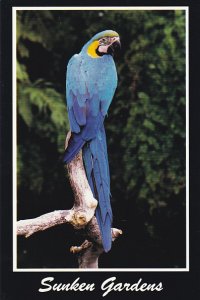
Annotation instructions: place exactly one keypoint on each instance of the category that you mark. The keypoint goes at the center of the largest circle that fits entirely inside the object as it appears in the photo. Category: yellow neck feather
(91, 50)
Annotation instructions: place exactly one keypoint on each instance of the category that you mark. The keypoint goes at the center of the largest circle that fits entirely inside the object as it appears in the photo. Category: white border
(15, 269)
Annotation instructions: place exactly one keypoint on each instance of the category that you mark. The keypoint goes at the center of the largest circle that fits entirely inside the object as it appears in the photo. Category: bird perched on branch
(90, 83)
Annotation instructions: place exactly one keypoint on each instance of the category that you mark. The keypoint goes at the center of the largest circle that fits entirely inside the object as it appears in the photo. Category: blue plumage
(91, 83)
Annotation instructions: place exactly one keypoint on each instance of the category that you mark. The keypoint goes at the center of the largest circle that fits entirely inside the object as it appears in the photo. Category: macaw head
(105, 42)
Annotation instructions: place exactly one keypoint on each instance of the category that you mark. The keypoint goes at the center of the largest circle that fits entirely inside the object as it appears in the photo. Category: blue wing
(83, 104)
(91, 84)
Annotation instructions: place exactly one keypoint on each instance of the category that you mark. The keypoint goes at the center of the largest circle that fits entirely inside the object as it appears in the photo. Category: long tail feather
(97, 170)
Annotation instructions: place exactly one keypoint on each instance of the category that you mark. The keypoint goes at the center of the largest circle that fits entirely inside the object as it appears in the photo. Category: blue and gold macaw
(91, 82)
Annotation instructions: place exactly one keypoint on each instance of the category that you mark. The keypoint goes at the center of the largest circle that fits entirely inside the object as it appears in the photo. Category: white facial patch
(103, 48)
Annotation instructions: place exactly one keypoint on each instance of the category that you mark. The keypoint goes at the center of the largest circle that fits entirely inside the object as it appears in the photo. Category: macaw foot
(88, 254)
(77, 249)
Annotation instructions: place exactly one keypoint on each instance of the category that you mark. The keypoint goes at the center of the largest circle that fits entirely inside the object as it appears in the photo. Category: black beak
(114, 48)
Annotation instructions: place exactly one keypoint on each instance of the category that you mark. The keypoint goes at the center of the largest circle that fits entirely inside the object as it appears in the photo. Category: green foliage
(146, 122)
(41, 107)
(154, 136)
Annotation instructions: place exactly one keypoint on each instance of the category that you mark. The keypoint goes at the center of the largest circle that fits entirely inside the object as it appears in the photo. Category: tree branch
(90, 250)
(30, 226)
(80, 216)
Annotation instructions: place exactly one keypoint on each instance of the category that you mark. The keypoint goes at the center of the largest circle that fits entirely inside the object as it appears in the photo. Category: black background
(25, 285)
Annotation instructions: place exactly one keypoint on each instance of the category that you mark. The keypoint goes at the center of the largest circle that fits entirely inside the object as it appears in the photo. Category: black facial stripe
(99, 53)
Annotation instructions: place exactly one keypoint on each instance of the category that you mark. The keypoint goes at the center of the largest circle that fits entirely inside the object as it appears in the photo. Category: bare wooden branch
(88, 252)
(30, 226)
(80, 216)
(84, 201)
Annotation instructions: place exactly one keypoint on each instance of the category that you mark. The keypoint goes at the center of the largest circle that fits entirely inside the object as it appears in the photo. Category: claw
(77, 249)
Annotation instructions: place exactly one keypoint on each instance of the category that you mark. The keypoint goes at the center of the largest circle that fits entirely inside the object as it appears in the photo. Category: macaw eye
(104, 41)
